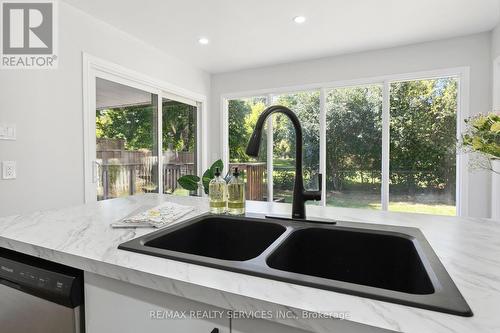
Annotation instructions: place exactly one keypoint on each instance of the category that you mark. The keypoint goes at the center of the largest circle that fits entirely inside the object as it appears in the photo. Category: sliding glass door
(179, 142)
(126, 140)
(132, 128)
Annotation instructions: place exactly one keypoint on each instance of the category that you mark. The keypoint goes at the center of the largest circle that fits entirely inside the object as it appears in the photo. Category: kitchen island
(81, 237)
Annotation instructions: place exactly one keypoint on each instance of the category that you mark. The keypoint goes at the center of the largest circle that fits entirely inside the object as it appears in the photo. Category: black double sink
(388, 263)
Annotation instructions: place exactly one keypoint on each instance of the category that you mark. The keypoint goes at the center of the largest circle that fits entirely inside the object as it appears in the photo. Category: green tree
(306, 107)
(354, 132)
(422, 134)
(132, 123)
(237, 111)
(179, 126)
(137, 126)
(242, 117)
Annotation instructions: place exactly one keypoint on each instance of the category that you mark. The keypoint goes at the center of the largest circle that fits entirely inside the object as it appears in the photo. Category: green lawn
(287, 163)
(422, 208)
(357, 200)
(372, 201)
(367, 196)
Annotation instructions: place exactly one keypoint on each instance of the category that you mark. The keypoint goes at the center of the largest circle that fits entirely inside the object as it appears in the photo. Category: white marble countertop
(81, 237)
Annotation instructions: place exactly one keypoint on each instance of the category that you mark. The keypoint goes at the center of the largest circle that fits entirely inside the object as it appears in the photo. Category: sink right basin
(366, 258)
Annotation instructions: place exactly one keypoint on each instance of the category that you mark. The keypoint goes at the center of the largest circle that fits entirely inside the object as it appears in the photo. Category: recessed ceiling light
(203, 41)
(299, 19)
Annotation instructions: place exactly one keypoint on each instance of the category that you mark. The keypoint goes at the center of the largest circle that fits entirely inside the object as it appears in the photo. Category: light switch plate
(7, 131)
(9, 170)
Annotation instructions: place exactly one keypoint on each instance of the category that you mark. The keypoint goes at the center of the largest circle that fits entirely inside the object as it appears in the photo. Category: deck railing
(254, 174)
(127, 179)
(172, 172)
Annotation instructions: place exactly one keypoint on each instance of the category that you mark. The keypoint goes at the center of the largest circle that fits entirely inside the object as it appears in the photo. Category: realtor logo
(28, 34)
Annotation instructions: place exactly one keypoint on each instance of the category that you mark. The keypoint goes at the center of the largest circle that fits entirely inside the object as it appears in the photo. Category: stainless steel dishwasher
(39, 296)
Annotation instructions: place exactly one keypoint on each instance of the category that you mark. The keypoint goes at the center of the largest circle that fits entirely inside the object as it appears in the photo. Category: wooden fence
(172, 172)
(254, 175)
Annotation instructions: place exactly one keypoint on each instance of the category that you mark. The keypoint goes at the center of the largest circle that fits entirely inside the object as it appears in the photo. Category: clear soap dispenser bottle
(217, 194)
(236, 195)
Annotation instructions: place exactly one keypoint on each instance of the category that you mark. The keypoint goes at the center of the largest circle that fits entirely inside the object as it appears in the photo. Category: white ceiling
(253, 33)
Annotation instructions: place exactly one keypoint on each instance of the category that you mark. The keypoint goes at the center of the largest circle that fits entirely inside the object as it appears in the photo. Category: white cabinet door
(261, 326)
(322, 325)
(116, 306)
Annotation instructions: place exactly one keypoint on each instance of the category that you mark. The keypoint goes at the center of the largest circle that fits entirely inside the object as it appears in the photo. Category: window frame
(94, 68)
(462, 74)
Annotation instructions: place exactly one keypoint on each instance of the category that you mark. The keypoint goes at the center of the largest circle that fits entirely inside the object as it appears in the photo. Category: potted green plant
(193, 182)
(482, 136)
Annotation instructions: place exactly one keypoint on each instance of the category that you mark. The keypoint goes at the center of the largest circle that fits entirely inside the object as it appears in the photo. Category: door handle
(215, 330)
(10, 284)
(95, 171)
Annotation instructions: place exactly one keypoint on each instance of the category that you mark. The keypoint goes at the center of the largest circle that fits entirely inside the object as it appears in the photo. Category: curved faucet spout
(256, 138)
(299, 194)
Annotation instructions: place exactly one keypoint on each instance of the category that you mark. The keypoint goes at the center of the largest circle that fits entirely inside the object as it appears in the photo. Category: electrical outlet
(7, 132)
(9, 169)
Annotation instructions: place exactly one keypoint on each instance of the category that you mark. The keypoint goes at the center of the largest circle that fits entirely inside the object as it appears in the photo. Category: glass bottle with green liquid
(217, 194)
(236, 195)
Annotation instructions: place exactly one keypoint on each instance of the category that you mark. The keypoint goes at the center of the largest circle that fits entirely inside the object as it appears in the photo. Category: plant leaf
(208, 174)
(217, 164)
(189, 182)
(207, 177)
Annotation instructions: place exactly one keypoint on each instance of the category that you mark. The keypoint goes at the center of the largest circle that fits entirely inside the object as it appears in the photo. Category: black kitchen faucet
(300, 195)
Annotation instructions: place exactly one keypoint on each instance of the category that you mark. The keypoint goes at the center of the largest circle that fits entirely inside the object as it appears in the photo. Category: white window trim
(463, 91)
(322, 143)
(93, 68)
(386, 142)
(269, 152)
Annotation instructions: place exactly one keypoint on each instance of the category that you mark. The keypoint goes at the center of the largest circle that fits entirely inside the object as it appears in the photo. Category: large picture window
(345, 131)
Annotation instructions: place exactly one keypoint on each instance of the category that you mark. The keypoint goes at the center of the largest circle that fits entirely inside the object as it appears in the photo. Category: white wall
(472, 51)
(495, 42)
(46, 105)
(495, 70)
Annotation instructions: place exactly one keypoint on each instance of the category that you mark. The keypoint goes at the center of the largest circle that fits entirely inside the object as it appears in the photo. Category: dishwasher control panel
(35, 277)
(40, 277)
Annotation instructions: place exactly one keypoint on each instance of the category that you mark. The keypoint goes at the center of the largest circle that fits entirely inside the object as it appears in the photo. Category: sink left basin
(219, 237)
